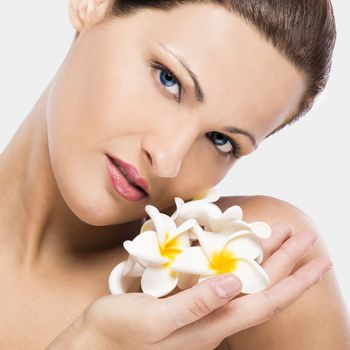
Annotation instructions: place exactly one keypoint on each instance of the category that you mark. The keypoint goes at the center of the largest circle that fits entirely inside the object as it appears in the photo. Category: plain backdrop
(306, 164)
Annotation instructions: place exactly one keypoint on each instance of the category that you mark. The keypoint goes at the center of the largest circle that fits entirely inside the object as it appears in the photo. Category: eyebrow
(197, 87)
(233, 130)
(200, 95)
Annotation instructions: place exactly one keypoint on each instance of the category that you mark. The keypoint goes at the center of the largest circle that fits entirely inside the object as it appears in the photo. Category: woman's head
(124, 91)
(302, 30)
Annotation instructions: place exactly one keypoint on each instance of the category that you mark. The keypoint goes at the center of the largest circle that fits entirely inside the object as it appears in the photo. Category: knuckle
(286, 253)
(271, 307)
(199, 307)
(300, 281)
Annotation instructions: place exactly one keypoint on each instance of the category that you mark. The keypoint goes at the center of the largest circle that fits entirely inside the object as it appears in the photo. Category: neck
(34, 219)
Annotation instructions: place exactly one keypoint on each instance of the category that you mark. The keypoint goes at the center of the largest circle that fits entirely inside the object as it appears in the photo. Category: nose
(165, 151)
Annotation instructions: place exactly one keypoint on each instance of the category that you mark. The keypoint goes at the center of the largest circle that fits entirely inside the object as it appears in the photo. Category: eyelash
(235, 153)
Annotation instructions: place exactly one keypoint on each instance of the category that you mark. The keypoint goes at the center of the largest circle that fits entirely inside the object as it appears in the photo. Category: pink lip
(120, 179)
(121, 183)
(133, 174)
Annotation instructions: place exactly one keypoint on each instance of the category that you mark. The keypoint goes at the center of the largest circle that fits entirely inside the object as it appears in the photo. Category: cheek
(84, 121)
(202, 169)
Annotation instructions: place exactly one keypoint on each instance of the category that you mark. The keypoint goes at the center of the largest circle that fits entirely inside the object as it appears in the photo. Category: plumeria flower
(210, 216)
(219, 253)
(152, 253)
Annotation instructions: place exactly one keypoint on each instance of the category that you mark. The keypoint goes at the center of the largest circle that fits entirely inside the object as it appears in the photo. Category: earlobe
(84, 14)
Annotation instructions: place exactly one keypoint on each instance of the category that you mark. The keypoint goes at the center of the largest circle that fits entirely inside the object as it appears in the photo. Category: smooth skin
(62, 224)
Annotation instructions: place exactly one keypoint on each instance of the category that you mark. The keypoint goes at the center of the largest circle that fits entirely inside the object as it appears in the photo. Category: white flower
(213, 219)
(220, 253)
(151, 255)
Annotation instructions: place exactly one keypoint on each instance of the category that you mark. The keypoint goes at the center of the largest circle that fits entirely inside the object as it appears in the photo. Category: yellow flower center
(170, 249)
(222, 262)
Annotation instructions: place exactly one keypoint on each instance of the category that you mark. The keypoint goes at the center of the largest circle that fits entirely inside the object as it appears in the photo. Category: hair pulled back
(302, 30)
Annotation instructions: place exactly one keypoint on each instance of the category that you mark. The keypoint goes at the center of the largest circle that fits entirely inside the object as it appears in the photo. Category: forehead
(245, 80)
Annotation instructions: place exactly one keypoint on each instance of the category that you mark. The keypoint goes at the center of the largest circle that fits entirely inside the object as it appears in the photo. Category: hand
(202, 316)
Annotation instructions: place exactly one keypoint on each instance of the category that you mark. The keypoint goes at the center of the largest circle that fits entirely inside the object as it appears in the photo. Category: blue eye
(224, 143)
(168, 80)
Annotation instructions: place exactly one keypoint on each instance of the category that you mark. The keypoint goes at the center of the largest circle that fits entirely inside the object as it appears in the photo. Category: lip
(131, 173)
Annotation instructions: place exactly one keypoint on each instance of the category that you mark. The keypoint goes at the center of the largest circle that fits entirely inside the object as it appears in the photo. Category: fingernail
(227, 287)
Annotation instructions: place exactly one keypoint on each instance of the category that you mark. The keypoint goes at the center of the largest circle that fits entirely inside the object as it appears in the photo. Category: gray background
(306, 164)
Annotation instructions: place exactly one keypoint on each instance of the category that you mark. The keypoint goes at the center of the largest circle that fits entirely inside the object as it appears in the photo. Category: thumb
(194, 303)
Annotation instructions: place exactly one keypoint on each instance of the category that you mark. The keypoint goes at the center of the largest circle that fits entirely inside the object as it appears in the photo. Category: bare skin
(61, 222)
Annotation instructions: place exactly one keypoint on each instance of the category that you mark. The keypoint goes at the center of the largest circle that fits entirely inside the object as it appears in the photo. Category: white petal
(186, 226)
(219, 222)
(186, 280)
(252, 275)
(235, 226)
(155, 216)
(119, 284)
(179, 203)
(260, 258)
(193, 261)
(210, 241)
(183, 241)
(200, 211)
(133, 268)
(244, 246)
(158, 281)
(233, 213)
(148, 226)
(145, 246)
(212, 195)
(261, 229)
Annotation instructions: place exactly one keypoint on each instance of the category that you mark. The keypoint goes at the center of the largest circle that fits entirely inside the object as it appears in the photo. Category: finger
(194, 303)
(280, 232)
(284, 259)
(251, 310)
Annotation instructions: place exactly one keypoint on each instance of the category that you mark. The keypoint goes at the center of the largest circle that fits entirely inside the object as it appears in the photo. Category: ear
(84, 14)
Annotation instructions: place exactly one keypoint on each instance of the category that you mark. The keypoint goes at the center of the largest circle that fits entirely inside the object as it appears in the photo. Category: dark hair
(302, 30)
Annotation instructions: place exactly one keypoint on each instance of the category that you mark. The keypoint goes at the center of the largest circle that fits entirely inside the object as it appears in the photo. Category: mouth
(131, 174)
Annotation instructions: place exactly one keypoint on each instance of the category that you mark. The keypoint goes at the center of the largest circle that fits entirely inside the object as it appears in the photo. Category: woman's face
(123, 91)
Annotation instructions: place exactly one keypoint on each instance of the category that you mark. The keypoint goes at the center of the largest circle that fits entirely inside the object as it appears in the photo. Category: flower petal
(199, 210)
(117, 282)
(148, 226)
(185, 226)
(192, 260)
(132, 267)
(235, 226)
(145, 246)
(162, 222)
(217, 223)
(245, 246)
(260, 258)
(158, 281)
(233, 213)
(252, 275)
(179, 203)
(211, 195)
(210, 241)
(261, 229)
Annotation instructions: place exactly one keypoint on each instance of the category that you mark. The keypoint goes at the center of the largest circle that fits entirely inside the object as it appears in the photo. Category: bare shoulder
(318, 320)
(269, 209)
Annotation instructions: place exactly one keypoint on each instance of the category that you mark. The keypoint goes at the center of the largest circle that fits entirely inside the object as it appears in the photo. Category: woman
(174, 92)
